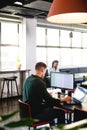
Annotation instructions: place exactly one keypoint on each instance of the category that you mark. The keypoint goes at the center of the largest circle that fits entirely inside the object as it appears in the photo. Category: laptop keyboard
(71, 103)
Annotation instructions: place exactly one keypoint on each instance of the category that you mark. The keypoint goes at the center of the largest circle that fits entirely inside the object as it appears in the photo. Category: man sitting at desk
(42, 103)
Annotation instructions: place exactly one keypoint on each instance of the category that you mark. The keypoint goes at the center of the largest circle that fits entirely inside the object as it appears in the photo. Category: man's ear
(41, 69)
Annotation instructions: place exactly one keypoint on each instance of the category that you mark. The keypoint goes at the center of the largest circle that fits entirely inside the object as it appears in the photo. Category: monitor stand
(63, 91)
(70, 92)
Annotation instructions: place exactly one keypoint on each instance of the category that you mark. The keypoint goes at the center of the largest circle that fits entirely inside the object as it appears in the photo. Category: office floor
(10, 105)
(7, 106)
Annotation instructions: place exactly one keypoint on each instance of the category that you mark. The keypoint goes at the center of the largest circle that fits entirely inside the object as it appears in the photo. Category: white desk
(54, 92)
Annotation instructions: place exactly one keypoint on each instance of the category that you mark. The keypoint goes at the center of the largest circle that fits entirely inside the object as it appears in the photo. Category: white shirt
(52, 70)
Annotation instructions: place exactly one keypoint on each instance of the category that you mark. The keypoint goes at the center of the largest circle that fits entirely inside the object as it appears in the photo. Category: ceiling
(25, 8)
(31, 9)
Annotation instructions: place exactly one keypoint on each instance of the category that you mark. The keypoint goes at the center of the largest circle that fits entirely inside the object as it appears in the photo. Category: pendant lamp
(68, 12)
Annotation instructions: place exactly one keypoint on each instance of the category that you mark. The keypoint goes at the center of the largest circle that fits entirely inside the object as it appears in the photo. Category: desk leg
(22, 77)
(0, 87)
(69, 117)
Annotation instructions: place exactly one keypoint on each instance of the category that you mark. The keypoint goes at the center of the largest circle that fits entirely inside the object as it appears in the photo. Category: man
(42, 103)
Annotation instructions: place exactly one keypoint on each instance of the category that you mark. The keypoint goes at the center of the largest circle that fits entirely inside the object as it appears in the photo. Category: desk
(71, 108)
(21, 75)
(68, 107)
(84, 84)
(81, 77)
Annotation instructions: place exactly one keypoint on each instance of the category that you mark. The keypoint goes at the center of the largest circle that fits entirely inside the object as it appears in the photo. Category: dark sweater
(34, 92)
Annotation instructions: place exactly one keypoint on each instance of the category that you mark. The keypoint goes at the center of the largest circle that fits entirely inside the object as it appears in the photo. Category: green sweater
(34, 92)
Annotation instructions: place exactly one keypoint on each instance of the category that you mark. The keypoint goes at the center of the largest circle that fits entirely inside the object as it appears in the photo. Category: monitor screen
(62, 80)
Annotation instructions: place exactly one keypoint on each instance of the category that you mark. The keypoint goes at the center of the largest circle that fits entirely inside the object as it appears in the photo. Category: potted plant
(18, 63)
(29, 122)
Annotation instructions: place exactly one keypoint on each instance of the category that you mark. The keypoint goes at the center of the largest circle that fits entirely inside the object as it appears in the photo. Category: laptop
(78, 96)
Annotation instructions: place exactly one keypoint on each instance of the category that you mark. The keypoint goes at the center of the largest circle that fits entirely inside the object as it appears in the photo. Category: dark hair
(55, 61)
(39, 65)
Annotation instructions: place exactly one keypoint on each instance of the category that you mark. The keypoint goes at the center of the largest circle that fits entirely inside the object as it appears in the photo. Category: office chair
(80, 114)
(26, 112)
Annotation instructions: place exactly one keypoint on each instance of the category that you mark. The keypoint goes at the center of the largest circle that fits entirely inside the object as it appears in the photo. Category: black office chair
(25, 112)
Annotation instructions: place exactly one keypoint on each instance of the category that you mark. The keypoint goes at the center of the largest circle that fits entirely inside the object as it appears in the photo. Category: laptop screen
(79, 94)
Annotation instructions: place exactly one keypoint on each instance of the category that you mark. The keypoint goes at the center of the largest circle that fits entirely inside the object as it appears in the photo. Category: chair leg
(2, 88)
(7, 88)
(31, 128)
(16, 87)
(11, 89)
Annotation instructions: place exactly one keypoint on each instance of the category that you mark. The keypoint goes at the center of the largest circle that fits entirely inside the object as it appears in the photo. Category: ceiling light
(68, 11)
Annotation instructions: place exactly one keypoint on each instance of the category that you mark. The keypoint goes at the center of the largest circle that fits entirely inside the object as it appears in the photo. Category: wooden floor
(10, 105)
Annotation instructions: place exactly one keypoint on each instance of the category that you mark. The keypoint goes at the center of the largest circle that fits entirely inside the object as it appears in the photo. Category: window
(9, 44)
(65, 38)
(76, 40)
(52, 40)
(58, 45)
(84, 40)
(9, 33)
(52, 54)
(40, 36)
(41, 54)
(65, 57)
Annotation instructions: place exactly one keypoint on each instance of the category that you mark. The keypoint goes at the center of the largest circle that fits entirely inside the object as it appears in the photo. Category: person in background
(42, 103)
(55, 68)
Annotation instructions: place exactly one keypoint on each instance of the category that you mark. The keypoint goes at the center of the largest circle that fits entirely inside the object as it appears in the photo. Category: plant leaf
(1, 128)
(20, 123)
(5, 117)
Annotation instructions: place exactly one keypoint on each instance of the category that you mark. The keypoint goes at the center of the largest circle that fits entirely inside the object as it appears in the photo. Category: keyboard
(71, 103)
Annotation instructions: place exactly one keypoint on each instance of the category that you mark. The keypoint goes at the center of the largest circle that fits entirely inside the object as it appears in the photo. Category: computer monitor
(62, 80)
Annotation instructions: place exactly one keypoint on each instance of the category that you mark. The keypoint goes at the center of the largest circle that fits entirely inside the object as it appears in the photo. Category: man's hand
(65, 99)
